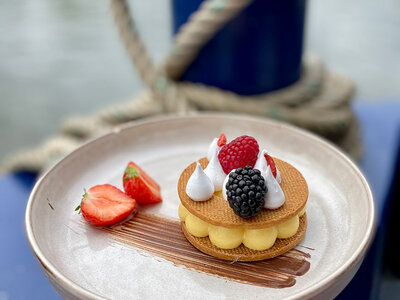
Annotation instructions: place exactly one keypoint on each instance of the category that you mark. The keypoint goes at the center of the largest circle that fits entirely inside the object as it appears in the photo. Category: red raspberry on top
(240, 152)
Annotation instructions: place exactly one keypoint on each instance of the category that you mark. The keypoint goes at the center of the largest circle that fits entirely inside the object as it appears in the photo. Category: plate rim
(314, 289)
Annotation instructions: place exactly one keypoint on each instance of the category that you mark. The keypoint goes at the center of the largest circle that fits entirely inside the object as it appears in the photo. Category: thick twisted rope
(202, 25)
(154, 78)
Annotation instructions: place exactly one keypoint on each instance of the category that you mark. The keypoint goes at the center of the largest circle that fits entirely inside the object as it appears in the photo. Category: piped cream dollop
(199, 186)
(215, 172)
(224, 186)
(212, 148)
(261, 164)
(278, 176)
(275, 197)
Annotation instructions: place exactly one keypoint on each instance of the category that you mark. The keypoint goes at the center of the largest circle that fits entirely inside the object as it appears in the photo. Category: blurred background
(63, 58)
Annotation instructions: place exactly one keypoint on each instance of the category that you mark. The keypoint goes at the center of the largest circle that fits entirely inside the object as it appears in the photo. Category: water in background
(59, 58)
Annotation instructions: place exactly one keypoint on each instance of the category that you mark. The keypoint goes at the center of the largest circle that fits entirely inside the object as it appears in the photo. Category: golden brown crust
(216, 211)
(242, 253)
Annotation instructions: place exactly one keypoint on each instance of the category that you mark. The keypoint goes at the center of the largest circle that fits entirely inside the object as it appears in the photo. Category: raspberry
(239, 153)
(245, 191)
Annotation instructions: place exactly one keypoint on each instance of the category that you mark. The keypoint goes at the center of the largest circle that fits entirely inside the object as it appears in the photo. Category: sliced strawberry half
(141, 186)
(105, 204)
(222, 140)
(270, 163)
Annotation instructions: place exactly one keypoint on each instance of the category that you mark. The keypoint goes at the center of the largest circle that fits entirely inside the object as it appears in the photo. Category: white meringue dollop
(199, 186)
(224, 186)
(261, 163)
(275, 197)
(213, 147)
(278, 176)
(215, 172)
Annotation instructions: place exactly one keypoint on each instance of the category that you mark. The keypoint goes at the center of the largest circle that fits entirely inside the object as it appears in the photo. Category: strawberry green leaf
(84, 196)
(130, 172)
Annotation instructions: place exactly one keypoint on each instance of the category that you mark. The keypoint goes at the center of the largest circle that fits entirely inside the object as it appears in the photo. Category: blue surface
(380, 123)
(22, 278)
(380, 134)
(258, 51)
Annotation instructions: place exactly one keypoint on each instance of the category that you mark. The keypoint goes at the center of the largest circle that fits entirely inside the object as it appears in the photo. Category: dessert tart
(241, 204)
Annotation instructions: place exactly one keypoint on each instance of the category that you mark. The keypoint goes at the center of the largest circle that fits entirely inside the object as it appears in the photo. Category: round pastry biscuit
(217, 211)
(242, 253)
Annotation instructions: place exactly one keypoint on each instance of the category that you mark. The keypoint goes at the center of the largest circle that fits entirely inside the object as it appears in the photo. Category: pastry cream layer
(229, 238)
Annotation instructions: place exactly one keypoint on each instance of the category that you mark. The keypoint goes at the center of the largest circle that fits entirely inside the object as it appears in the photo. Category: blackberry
(245, 191)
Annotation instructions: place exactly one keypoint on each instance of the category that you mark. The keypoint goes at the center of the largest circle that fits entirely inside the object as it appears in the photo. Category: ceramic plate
(85, 262)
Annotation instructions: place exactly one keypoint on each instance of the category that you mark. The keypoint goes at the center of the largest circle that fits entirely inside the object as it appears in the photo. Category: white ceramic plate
(83, 262)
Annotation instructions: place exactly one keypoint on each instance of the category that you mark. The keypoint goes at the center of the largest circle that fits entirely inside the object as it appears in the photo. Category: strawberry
(105, 204)
(270, 163)
(140, 186)
(222, 140)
